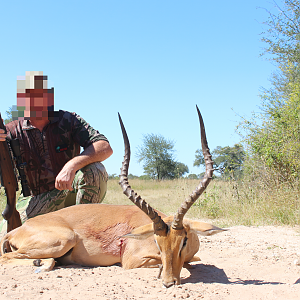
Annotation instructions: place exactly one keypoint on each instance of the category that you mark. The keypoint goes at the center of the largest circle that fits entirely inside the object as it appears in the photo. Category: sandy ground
(243, 263)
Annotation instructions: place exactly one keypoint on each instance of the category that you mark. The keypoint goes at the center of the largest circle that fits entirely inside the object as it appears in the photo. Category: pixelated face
(34, 103)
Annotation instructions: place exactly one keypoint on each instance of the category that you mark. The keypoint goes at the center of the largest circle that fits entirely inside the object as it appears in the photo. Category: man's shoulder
(61, 115)
(64, 114)
(68, 120)
(14, 124)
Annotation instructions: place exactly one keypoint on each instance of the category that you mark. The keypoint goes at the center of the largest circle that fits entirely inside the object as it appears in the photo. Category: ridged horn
(158, 223)
(177, 223)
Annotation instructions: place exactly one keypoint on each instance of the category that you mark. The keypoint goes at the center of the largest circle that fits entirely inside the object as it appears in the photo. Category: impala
(101, 235)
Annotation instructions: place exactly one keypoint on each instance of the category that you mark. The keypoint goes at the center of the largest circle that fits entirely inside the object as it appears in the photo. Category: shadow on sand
(207, 274)
(212, 274)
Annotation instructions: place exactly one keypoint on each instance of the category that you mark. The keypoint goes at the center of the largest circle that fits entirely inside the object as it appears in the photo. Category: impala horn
(158, 224)
(177, 223)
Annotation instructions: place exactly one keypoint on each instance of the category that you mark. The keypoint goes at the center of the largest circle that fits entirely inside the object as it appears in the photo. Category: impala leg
(188, 266)
(160, 270)
(152, 263)
(17, 259)
(32, 246)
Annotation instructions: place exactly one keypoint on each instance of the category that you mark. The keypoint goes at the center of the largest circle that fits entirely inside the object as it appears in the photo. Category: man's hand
(98, 151)
(2, 135)
(65, 178)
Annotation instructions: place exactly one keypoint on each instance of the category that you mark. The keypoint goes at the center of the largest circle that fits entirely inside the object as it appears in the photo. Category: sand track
(243, 263)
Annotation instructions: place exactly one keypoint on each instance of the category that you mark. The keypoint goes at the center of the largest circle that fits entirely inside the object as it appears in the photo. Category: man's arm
(98, 151)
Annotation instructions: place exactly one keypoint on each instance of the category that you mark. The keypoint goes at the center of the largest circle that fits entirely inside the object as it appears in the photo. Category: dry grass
(223, 203)
(165, 196)
(2, 201)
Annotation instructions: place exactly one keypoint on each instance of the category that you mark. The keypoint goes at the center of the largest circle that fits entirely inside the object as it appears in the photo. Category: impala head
(175, 237)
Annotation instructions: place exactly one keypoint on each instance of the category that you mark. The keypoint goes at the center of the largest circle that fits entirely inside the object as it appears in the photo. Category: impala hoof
(37, 262)
(168, 284)
(44, 265)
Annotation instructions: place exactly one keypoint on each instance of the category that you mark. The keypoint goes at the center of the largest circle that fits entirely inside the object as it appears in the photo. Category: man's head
(34, 99)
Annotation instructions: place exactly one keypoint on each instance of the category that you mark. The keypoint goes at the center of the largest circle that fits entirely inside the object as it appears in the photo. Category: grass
(223, 203)
(3, 199)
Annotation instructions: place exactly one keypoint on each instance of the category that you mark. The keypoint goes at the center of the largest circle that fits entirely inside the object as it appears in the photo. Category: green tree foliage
(180, 169)
(157, 155)
(282, 36)
(199, 158)
(145, 177)
(282, 46)
(228, 161)
(273, 134)
(113, 176)
(192, 176)
(277, 141)
(9, 116)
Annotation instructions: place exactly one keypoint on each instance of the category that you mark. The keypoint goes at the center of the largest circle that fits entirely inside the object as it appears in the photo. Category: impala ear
(141, 233)
(203, 228)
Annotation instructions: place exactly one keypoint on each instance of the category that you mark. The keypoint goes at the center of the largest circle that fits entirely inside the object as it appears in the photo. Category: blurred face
(35, 103)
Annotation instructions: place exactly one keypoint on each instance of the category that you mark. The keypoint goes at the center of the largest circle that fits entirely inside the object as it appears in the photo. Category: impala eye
(183, 245)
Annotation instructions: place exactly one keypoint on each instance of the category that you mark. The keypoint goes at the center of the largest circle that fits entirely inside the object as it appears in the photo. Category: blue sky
(152, 61)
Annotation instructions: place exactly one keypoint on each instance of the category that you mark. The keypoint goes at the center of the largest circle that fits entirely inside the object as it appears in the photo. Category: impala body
(103, 235)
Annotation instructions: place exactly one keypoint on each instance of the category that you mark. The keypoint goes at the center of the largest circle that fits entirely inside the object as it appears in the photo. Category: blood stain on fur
(110, 238)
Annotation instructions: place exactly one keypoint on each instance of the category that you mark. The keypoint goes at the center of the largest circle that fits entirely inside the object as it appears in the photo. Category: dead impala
(102, 235)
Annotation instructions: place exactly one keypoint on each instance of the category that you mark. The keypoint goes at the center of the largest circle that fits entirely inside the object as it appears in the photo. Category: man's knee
(91, 183)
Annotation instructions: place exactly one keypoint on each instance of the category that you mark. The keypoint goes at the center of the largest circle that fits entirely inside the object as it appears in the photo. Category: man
(57, 173)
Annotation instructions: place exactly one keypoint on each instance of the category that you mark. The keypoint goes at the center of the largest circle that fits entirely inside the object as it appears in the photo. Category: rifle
(9, 181)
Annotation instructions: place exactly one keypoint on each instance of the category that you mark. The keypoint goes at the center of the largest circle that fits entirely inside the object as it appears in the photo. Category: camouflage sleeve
(84, 134)
(10, 129)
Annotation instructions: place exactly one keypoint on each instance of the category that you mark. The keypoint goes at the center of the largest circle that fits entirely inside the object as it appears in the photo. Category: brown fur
(103, 235)
(109, 238)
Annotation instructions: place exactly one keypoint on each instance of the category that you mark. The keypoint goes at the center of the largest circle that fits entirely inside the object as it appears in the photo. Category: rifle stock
(9, 181)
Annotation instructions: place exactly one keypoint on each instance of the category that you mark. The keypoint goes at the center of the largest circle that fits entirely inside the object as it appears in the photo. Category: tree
(9, 116)
(113, 176)
(157, 154)
(199, 159)
(228, 161)
(145, 177)
(193, 176)
(282, 37)
(274, 140)
(131, 176)
(282, 40)
(180, 169)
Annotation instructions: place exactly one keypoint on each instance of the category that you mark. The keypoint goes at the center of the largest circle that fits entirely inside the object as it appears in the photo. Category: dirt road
(242, 263)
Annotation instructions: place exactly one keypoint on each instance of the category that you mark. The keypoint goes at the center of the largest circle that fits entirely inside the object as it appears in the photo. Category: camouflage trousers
(89, 186)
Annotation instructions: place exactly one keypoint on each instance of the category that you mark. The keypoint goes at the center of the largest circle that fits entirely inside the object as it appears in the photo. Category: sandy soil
(243, 263)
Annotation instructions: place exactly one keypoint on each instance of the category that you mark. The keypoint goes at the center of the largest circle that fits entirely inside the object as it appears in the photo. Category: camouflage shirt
(46, 152)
